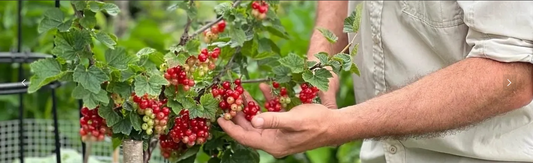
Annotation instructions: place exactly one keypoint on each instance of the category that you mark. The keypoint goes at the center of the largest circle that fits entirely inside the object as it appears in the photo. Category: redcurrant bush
(171, 99)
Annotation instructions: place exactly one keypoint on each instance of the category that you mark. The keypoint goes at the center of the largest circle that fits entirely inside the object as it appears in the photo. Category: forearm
(329, 15)
(464, 93)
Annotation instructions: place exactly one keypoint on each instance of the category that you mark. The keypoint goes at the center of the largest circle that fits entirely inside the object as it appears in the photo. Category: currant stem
(349, 44)
(184, 38)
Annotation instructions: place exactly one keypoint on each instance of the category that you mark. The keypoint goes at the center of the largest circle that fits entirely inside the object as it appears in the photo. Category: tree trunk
(132, 151)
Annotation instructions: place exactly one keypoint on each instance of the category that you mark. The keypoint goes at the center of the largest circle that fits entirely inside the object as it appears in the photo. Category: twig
(207, 26)
(87, 152)
(256, 80)
(349, 44)
(184, 37)
(151, 147)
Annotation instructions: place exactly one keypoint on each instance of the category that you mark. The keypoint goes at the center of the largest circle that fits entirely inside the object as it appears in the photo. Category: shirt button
(393, 149)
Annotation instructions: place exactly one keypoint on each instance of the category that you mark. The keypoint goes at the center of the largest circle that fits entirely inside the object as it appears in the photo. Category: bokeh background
(149, 23)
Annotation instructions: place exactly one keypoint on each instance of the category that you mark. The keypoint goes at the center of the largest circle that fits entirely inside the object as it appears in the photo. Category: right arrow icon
(509, 82)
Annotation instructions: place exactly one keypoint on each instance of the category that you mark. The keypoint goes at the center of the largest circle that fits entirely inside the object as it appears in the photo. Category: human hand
(302, 128)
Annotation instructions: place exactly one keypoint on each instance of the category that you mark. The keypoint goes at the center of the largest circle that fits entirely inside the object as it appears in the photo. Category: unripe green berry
(152, 116)
(144, 126)
(146, 118)
(287, 100)
(149, 131)
(150, 123)
(282, 100)
(148, 112)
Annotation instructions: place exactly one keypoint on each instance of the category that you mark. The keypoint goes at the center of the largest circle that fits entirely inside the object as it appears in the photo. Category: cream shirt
(402, 40)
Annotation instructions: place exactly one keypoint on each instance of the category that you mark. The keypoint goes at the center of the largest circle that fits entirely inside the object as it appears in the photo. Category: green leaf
(354, 69)
(65, 26)
(111, 9)
(210, 105)
(145, 51)
(345, 60)
(122, 88)
(186, 102)
(36, 82)
(95, 6)
(174, 60)
(223, 8)
(45, 71)
(190, 153)
(193, 47)
(91, 78)
(88, 20)
(73, 44)
(46, 68)
(322, 57)
(105, 39)
(116, 141)
(318, 79)
(240, 154)
(79, 5)
(123, 126)
(90, 99)
(350, 23)
(196, 111)
(282, 74)
(119, 58)
(151, 86)
(53, 17)
(136, 121)
(294, 62)
(175, 106)
(111, 117)
(330, 36)
(238, 37)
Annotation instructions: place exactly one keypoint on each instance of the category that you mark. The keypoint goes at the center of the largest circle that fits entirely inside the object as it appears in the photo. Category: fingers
(274, 120)
(247, 138)
(267, 92)
(241, 121)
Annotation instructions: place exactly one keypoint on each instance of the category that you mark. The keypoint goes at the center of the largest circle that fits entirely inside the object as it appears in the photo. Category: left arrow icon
(23, 82)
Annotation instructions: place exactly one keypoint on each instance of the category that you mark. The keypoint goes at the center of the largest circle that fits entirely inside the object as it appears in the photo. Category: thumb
(273, 120)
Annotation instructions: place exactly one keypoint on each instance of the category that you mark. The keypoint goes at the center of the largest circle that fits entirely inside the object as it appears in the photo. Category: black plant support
(22, 87)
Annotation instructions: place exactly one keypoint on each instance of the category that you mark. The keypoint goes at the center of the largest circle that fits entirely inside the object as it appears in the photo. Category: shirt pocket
(436, 14)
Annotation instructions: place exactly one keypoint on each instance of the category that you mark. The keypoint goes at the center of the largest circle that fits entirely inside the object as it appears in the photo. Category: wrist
(343, 125)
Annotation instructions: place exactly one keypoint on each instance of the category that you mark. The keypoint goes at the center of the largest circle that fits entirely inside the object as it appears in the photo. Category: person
(440, 82)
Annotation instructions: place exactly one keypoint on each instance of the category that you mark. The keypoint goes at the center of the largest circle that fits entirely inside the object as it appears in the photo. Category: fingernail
(258, 122)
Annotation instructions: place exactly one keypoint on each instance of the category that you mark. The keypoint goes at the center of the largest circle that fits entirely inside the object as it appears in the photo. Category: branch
(318, 65)
(184, 37)
(207, 26)
(148, 154)
(256, 80)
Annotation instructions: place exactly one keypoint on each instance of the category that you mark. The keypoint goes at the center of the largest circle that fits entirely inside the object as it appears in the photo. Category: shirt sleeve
(499, 30)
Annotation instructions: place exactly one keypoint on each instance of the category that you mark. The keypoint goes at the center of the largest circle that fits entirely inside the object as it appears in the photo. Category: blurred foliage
(151, 24)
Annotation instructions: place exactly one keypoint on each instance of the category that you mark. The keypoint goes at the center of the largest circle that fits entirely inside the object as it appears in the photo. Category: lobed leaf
(90, 99)
(111, 117)
(105, 39)
(330, 36)
(119, 58)
(150, 86)
(294, 62)
(52, 19)
(319, 78)
(91, 78)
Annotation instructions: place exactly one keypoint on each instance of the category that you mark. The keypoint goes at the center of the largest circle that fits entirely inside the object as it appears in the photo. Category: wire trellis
(24, 138)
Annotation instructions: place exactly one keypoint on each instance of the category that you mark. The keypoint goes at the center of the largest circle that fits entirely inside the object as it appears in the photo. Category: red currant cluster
(178, 76)
(308, 93)
(279, 102)
(259, 9)
(93, 127)
(230, 99)
(250, 110)
(212, 34)
(154, 114)
(169, 148)
(190, 131)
